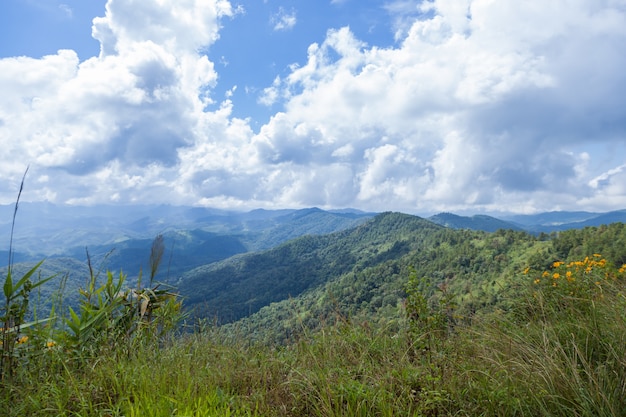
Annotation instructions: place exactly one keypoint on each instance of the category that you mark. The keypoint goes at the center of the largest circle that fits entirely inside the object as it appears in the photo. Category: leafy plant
(429, 321)
(16, 297)
(110, 314)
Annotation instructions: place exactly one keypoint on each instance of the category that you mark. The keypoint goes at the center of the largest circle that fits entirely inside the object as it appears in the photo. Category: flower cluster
(581, 279)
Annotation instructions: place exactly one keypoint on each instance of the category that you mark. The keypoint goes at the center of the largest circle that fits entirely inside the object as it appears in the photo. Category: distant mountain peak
(475, 222)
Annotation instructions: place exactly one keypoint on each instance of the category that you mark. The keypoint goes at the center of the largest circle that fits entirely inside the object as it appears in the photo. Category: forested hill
(476, 222)
(479, 271)
(243, 284)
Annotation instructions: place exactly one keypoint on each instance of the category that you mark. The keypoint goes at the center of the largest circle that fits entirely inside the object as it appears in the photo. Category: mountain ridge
(532, 223)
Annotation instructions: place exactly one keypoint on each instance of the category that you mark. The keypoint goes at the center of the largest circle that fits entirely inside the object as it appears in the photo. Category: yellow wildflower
(556, 275)
(557, 264)
(597, 255)
(50, 344)
(537, 281)
(22, 340)
(545, 274)
(526, 270)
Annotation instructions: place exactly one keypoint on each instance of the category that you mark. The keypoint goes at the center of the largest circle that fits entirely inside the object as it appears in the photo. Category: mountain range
(533, 223)
(235, 266)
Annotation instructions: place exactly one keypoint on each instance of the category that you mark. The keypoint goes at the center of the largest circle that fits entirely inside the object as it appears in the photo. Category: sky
(465, 106)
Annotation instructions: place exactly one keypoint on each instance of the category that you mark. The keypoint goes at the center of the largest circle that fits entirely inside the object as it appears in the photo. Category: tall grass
(495, 368)
(562, 353)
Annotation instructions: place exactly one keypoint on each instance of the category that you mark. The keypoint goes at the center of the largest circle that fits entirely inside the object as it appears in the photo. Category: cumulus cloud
(134, 106)
(483, 104)
(480, 104)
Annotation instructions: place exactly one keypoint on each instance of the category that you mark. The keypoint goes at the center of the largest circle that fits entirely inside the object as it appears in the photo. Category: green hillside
(472, 265)
(242, 285)
(476, 222)
(362, 271)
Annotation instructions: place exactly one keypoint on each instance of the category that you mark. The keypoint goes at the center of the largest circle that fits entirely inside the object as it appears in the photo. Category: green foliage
(110, 315)
(428, 324)
(15, 306)
(101, 317)
(12, 315)
(111, 322)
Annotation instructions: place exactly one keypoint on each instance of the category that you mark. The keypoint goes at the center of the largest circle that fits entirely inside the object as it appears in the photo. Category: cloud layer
(481, 105)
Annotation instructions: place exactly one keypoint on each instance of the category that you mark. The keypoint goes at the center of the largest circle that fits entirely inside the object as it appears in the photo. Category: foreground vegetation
(448, 323)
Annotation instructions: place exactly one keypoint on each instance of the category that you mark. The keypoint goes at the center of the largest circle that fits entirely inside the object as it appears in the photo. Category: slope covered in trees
(473, 266)
(242, 285)
(362, 271)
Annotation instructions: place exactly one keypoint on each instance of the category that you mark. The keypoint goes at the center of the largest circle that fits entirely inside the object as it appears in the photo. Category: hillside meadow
(395, 316)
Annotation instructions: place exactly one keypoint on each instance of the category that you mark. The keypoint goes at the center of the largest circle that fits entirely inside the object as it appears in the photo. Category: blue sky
(265, 38)
(409, 105)
(40, 27)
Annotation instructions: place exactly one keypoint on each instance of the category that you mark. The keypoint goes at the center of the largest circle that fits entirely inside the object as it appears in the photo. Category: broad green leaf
(27, 276)
(43, 281)
(8, 285)
(74, 316)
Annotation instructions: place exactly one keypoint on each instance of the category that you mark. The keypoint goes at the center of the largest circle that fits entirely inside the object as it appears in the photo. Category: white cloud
(130, 110)
(480, 105)
(283, 20)
(271, 94)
